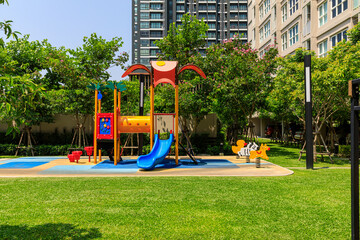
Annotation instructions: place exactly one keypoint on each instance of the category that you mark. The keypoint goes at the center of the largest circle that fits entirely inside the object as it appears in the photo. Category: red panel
(135, 67)
(193, 67)
(164, 77)
(110, 117)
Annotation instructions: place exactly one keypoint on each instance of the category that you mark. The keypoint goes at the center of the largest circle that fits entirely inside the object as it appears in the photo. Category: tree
(21, 62)
(329, 84)
(183, 44)
(73, 70)
(184, 41)
(241, 80)
(21, 102)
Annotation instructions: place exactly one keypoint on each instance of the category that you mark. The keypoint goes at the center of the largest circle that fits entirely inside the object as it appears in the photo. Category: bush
(40, 150)
(344, 150)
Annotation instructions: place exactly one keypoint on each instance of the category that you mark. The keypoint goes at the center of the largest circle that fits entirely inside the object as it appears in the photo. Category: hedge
(40, 150)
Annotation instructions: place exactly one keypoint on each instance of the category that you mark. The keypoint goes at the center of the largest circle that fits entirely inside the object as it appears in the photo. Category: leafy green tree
(241, 80)
(183, 41)
(329, 84)
(72, 70)
(183, 44)
(21, 62)
(22, 103)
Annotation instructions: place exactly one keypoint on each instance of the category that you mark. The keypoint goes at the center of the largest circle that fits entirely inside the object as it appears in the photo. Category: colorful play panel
(207, 166)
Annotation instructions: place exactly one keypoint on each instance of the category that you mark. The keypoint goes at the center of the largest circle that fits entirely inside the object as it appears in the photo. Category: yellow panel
(134, 124)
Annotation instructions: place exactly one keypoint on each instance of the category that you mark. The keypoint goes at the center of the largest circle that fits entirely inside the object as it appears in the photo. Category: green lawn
(310, 204)
(287, 156)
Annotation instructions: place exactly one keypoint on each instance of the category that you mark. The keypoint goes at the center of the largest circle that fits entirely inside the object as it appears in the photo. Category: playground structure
(109, 126)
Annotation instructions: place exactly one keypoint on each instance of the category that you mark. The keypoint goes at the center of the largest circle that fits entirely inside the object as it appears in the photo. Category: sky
(66, 22)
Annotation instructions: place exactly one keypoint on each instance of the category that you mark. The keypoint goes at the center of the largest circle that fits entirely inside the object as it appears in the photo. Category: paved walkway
(208, 166)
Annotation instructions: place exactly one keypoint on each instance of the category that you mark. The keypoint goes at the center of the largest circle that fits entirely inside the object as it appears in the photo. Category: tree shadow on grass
(47, 231)
(277, 150)
(292, 153)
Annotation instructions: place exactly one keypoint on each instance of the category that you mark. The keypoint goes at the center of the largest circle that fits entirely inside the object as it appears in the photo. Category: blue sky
(66, 22)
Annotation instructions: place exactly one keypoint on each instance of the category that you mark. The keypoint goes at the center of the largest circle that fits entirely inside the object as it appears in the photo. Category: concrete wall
(66, 123)
(209, 125)
(61, 123)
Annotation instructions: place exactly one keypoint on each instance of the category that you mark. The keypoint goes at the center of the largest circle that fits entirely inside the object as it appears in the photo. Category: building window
(211, 25)
(144, 25)
(323, 48)
(154, 52)
(144, 61)
(156, 25)
(144, 33)
(294, 6)
(144, 52)
(156, 16)
(178, 16)
(284, 12)
(322, 14)
(156, 34)
(266, 6)
(156, 6)
(180, 7)
(284, 41)
(261, 11)
(338, 38)
(261, 34)
(211, 34)
(294, 35)
(144, 15)
(144, 6)
(243, 7)
(267, 29)
(356, 3)
(338, 6)
(144, 42)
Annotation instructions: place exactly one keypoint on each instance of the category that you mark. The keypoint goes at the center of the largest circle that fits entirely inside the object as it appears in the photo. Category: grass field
(310, 204)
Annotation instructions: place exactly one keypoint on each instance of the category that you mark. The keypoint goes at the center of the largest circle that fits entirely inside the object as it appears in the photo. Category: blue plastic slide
(160, 150)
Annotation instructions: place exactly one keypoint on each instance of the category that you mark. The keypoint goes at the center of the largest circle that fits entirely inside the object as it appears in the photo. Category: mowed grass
(310, 204)
(288, 156)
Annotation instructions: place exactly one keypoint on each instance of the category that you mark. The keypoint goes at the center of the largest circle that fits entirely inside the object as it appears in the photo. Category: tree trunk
(79, 134)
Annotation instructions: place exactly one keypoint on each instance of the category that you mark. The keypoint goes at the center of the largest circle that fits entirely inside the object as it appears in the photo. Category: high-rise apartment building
(313, 25)
(152, 18)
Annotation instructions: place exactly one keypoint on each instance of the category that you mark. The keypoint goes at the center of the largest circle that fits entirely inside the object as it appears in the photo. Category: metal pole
(141, 111)
(354, 164)
(308, 114)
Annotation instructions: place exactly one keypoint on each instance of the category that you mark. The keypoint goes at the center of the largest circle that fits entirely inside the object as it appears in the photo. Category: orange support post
(115, 127)
(95, 125)
(176, 130)
(151, 115)
(119, 115)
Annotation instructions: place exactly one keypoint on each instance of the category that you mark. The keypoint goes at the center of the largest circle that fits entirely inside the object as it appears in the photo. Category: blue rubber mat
(207, 163)
(21, 165)
(107, 164)
(32, 159)
(183, 163)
